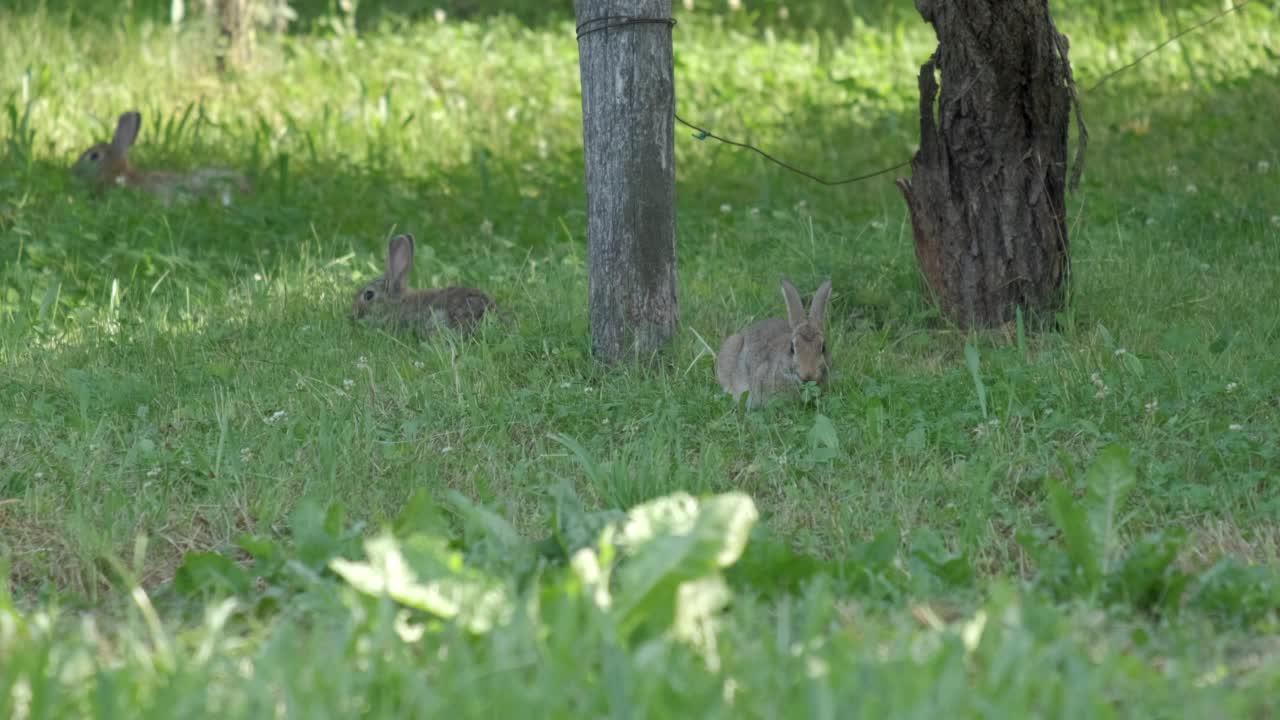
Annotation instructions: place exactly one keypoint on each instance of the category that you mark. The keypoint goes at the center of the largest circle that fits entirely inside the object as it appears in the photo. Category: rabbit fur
(106, 165)
(775, 353)
(387, 302)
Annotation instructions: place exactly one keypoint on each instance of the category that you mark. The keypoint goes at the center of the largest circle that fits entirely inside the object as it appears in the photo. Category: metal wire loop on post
(610, 22)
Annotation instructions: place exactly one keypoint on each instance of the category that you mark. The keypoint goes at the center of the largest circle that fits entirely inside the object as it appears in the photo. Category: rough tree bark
(234, 33)
(988, 183)
(628, 101)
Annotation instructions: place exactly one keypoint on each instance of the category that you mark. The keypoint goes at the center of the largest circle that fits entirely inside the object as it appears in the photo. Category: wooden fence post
(628, 104)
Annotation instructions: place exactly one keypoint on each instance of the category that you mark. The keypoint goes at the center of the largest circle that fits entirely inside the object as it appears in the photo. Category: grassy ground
(1080, 523)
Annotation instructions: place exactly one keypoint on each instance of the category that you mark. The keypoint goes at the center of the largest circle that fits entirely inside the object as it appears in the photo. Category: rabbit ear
(127, 128)
(795, 310)
(818, 306)
(399, 260)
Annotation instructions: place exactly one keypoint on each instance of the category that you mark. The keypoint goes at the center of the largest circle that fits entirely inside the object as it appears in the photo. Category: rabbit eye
(368, 295)
(793, 347)
(94, 155)
(824, 347)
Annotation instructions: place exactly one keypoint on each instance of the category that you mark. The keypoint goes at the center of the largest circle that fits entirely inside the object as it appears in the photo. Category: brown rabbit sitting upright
(107, 164)
(386, 302)
(775, 354)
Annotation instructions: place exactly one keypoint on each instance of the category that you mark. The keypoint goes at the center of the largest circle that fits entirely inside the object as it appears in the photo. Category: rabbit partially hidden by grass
(386, 302)
(776, 354)
(106, 165)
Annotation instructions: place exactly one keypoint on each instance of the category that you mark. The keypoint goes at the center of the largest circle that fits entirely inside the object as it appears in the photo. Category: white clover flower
(274, 417)
(1264, 166)
(1171, 170)
(348, 383)
(1235, 427)
(418, 364)
(1120, 351)
(1152, 406)
(1232, 386)
(755, 211)
(362, 363)
(726, 208)
(1192, 189)
(486, 227)
(1099, 385)
(440, 15)
(153, 472)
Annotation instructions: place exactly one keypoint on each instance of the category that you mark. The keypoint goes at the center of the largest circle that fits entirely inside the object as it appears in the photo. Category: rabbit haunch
(107, 164)
(776, 354)
(387, 302)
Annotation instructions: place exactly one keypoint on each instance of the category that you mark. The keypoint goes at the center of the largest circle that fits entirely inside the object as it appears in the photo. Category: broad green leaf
(421, 572)
(573, 526)
(319, 535)
(490, 524)
(1077, 535)
(421, 515)
(698, 603)
(1147, 578)
(823, 433)
(674, 539)
(1108, 482)
(206, 573)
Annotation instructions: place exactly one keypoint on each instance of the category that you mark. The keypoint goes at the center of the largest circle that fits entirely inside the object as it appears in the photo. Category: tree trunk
(988, 183)
(628, 101)
(234, 33)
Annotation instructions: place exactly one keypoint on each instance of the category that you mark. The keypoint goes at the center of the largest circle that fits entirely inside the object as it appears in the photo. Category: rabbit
(107, 164)
(772, 354)
(385, 300)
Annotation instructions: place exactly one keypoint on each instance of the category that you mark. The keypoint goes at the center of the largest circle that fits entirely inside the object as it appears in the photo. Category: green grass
(1079, 524)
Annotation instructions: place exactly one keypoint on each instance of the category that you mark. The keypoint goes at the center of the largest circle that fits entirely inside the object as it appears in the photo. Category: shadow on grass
(525, 201)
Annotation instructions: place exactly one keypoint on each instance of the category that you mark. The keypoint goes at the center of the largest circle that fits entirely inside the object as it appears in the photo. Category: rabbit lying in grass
(386, 302)
(774, 354)
(107, 164)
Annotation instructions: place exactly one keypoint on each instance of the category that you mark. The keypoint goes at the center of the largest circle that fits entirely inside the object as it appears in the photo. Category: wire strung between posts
(1162, 45)
(610, 22)
(701, 134)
